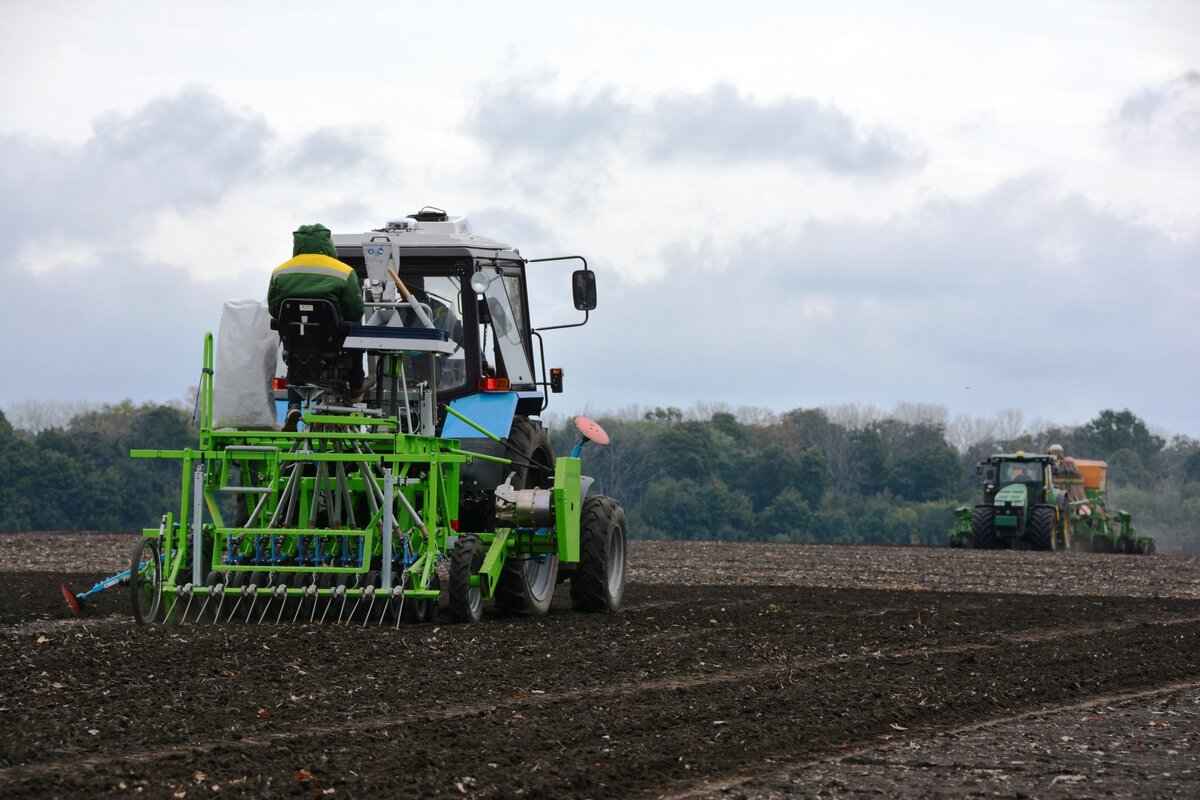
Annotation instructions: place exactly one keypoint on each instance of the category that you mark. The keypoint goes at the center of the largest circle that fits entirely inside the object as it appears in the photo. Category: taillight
(493, 384)
(279, 384)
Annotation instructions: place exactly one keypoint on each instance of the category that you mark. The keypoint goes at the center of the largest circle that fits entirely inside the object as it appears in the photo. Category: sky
(983, 206)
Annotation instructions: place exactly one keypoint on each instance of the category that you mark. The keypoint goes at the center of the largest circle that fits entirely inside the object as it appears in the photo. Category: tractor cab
(446, 316)
(1029, 473)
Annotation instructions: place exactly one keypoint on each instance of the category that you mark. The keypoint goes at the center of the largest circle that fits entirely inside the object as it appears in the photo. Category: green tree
(1113, 431)
(928, 473)
(787, 518)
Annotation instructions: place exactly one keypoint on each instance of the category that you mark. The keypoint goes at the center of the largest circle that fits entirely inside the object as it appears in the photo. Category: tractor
(1020, 504)
(439, 482)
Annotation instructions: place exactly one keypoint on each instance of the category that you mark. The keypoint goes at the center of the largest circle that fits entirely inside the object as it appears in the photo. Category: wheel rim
(147, 581)
(539, 576)
(616, 560)
(475, 601)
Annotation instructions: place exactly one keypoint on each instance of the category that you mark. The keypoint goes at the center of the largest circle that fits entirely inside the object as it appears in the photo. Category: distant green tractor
(1020, 504)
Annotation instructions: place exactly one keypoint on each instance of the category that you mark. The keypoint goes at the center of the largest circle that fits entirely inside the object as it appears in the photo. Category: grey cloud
(718, 125)
(722, 125)
(516, 118)
(510, 226)
(1163, 116)
(333, 149)
(182, 152)
(134, 333)
(1033, 300)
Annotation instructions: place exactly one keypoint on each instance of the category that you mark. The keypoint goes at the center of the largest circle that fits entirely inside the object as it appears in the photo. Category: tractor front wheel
(1041, 529)
(526, 583)
(983, 528)
(598, 583)
(466, 601)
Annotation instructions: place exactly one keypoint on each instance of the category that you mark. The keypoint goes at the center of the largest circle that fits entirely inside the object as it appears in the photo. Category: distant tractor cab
(1020, 504)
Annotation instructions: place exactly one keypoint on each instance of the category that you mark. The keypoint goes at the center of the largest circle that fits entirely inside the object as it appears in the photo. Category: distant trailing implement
(1046, 502)
(435, 468)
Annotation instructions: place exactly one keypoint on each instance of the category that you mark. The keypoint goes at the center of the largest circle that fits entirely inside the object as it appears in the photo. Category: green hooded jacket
(316, 272)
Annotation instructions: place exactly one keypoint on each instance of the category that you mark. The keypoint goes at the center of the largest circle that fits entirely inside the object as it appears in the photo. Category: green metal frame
(317, 503)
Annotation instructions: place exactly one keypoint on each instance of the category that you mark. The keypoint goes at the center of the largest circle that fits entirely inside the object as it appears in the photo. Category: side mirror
(583, 289)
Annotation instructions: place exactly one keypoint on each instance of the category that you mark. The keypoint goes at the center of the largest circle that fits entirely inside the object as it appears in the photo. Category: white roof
(408, 232)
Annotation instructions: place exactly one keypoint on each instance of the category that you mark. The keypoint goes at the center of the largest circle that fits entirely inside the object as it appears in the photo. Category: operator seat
(312, 332)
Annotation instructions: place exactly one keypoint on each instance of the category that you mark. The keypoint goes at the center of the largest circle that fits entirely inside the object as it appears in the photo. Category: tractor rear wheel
(526, 583)
(1041, 529)
(598, 583)
(466, 601)
(983, 528)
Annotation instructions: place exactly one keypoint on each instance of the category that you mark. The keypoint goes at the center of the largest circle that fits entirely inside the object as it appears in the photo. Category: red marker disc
(591, 430)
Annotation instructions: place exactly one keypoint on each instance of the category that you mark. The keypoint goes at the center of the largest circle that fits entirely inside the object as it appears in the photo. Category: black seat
(312, 331)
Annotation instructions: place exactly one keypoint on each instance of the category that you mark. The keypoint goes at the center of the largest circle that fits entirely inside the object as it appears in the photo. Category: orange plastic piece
(1095, 473)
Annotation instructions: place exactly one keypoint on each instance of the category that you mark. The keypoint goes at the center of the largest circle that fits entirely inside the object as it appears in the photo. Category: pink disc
(591, 430)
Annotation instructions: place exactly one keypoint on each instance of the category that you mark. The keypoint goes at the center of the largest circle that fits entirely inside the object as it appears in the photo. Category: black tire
(1041, 528)
(526, 584)
(422, 609)
(983, 528)
(466, 601)
(598, 583)
(413, 610)
(145, 581)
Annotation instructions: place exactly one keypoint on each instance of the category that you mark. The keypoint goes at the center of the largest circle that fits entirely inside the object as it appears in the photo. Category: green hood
(313, 239)
(1015, 493)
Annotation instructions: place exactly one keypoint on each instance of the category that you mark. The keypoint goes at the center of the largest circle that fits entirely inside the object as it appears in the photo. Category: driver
(314, 271)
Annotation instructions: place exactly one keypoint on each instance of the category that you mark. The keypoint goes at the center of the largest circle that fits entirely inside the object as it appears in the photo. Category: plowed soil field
(733, 671)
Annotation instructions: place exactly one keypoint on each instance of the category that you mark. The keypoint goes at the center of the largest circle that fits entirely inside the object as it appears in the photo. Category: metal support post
(197, 511)
(389, 489)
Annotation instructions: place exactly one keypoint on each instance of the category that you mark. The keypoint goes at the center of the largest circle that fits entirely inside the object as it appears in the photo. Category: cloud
(178, 153)
(517, 118)
(716, 126)
(720, 125)
(1032, 298)
(122, 327)
(1163, 117)
(333, 150)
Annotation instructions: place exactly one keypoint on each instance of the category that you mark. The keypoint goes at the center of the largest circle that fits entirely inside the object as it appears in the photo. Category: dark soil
(694, 689)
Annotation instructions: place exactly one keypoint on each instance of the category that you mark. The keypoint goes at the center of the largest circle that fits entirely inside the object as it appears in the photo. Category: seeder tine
(266, 608)
(370, 608)
(203, 608)
(171, 611)
(279, 591)
(383, 611)
(232, 613)
(342, 610)
(326, 611)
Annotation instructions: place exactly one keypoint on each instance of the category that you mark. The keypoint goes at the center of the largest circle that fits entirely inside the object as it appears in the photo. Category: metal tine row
(332, 487)
(389, 599)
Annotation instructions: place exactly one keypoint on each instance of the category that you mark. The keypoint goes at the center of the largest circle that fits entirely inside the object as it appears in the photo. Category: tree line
(843, 474)
(850, 474)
